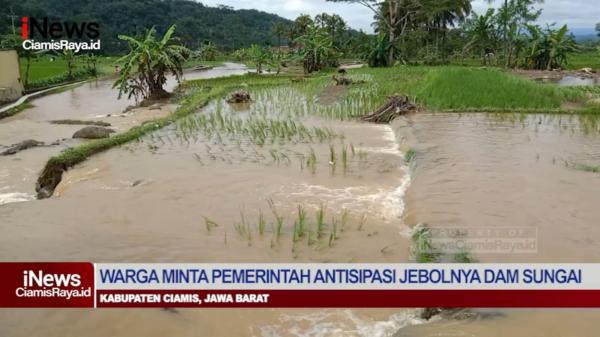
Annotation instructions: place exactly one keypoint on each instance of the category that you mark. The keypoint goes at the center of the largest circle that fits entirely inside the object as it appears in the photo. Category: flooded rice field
(91, 101)
(520, 171)
(283, 179)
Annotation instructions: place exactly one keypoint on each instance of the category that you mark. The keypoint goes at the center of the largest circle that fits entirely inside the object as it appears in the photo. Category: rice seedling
(333, 233)
(362, 222)
(587, 168)
(320, 218)
(278, 219)
(209, 224)
(261, 222)
(301, 228)
(409, 155)
(311, 162)
(332, 158)
(241, 227)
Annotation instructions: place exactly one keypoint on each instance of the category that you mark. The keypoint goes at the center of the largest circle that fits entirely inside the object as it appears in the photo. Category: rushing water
(149, 202)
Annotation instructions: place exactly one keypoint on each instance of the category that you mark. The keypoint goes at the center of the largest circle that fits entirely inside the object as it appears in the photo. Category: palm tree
(300, 26)
(146, 65)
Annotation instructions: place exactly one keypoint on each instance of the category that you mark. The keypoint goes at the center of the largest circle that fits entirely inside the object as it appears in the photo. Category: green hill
(228, 28)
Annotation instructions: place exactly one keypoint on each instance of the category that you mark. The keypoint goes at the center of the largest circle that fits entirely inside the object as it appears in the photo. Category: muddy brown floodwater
(210, 187)
(90, 101)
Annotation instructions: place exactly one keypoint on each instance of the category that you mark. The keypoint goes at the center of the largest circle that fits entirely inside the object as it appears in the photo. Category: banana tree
(260, 56)
(149, 60)
(316, 49)
(560, 44)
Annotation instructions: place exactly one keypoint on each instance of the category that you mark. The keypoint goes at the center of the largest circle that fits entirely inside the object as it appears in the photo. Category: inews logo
(58, 35)
(41, 284)
(47, 284)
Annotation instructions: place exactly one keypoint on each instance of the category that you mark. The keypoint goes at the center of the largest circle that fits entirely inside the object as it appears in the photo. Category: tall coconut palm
(300, 26)
(148, 62)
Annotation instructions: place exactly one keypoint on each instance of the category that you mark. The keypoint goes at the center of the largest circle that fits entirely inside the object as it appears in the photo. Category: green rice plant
(241, 227)
(409, 155)
(278, 219)
(463, 257)
(470, 88)
(301, 228)
(320, 218)
(587, 168)
(423, 247)
(261, 222)
(362, 222)
(333, 233)
(332, 158)
(311, 162)
(209, 224)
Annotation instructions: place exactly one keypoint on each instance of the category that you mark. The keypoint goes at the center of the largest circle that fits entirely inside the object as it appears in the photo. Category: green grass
(463, 89)
(46, 67)
(588, 168)
(588, 59)
(486, 89)
(409, 156)
(16, 110)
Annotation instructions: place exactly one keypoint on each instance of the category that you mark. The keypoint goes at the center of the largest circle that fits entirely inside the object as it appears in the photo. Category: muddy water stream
(90, 101)
(150, 201)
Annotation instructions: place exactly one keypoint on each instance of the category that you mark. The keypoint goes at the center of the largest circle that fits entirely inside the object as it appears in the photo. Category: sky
(575, 13)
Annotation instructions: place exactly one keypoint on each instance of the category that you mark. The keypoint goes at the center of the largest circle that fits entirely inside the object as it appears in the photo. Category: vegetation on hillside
(230, 29)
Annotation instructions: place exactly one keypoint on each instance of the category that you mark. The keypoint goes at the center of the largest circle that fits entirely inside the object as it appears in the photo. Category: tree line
(196, 23)
(433, 31)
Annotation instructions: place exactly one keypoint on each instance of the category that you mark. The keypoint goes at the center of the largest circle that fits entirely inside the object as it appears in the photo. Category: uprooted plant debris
(241, 96)
(394, 107)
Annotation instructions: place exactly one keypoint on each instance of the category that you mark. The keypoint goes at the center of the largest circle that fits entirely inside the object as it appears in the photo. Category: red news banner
(88, 285)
